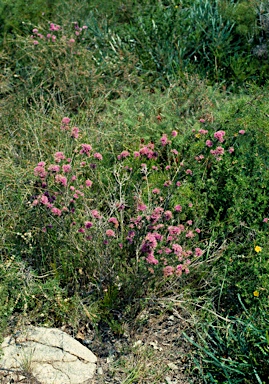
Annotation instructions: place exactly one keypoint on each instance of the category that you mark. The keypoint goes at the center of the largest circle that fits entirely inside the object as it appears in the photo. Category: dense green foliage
(225, 41)
(172, 187)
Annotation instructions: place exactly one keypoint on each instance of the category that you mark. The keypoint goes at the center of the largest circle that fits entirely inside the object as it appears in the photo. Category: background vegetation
(134, 77)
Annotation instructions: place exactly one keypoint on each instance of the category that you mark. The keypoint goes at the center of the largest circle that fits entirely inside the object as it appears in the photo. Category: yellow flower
(256, 293)
(258, 249)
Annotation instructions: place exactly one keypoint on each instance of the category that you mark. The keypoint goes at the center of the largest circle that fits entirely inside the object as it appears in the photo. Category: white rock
(50, 355)
(173, 366)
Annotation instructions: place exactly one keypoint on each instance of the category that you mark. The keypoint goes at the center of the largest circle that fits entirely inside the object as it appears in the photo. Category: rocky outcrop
(48, 355)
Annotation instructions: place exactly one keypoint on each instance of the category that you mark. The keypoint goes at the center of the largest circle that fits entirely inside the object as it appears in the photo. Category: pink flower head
(150, 240)
(179, 269)
(175, 231)
(75, 132)
(88, 224)
(44, 200)
(154, 168)
(178, 183)
(53, 38)
(156, 191)
(168, 271)
(66, 168)
(203, 131)
(242, 132)
(198, 252)
(217, 152)
(60, 179)
(56, 211)
(54, 27)
(72, 41)
(98, 156)
(168, 215)
(54, 168)
(35, 30)
(231, 150)
(95, 214)
(209, 143)
(164, 140)
(174, 133)
(156, 214)
(202, 121)
(178, 208)
(59, 156)
(40, 172)
(141, 207)
(190, 235)
(136, 154)
(85, 148)
(174, 151)
(66, 120)
(265, 220)
(151, 259)
(177, 249)
(167, 183)
(189, 172)
(114, 221)
(123, 155)
(219, 135)
(35, 42)
(88, 183)
(189, 222)
(110, 233)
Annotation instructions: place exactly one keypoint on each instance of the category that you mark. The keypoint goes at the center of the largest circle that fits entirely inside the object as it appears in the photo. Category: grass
(56, 270)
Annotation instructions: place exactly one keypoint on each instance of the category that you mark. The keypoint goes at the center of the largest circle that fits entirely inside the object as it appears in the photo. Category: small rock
(173, 366)
(109, 359)
(154, 344)
(137, 343)
(100, 371)
(169, 381)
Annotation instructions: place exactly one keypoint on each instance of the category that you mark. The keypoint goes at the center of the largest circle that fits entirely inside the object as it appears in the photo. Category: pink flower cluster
(147, 151)
(155, 232)
(164, 140)
(54, 27)
(85, 149)
(219, 151)
(40, 171)
(123, 155)
(219, 135)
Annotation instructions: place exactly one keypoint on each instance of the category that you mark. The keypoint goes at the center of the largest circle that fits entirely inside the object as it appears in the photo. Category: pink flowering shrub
(146, 207)
(56, 55)
(158, 235)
